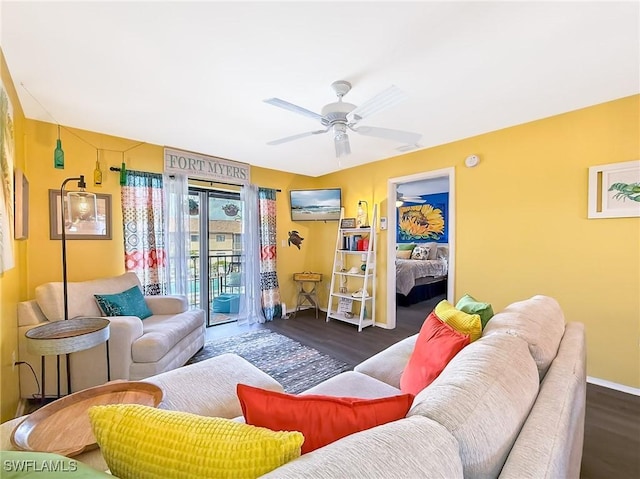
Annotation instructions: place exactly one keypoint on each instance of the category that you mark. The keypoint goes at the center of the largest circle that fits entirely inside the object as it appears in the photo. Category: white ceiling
(194, 75)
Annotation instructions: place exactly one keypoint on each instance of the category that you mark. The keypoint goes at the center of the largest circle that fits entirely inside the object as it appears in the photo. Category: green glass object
(58, 155)
(123, 174)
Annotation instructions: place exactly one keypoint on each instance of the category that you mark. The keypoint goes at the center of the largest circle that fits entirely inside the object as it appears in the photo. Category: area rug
(296, 366)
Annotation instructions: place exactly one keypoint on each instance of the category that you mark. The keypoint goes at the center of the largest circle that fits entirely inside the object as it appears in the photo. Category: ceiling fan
(400, 199)
(339, 117)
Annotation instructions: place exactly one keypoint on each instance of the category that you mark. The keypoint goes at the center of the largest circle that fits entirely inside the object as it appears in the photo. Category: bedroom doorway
(445, 178)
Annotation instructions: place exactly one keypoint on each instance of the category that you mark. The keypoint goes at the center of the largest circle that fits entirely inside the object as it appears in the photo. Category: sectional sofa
(509, 405)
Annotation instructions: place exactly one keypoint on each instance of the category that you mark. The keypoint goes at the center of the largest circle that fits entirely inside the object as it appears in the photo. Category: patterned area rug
(295, 366)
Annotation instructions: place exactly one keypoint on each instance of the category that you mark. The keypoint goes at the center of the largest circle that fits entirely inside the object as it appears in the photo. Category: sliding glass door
(216, 256)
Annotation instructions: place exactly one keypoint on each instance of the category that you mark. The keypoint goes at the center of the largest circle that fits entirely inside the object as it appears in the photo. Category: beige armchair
(137, 348)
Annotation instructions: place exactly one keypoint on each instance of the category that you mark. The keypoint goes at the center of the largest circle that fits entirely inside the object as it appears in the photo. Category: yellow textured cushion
(140, 442)
(470, 324)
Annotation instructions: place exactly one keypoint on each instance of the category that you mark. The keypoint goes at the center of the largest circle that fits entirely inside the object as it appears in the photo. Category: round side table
(64, 337)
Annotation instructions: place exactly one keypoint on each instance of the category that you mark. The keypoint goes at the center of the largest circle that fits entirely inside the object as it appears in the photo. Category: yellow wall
(12, 282)
(522, 227)
(521, 224)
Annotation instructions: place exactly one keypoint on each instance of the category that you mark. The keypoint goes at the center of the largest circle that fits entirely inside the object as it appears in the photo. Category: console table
(64, 337)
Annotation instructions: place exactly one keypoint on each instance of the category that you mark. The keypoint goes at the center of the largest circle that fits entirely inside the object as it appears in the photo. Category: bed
(422, 273)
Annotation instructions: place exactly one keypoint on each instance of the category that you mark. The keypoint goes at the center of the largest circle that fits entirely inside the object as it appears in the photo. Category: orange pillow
(436, 345)
(321, 419)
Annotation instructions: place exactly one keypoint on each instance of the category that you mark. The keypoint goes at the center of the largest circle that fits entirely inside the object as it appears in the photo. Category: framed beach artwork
(614, 190)
(7, 142)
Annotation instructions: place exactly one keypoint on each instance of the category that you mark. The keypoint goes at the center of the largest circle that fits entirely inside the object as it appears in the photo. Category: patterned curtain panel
(144, 249)
(271, 304)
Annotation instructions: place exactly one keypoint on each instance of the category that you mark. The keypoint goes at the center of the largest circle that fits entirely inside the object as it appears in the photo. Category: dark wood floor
(612, 429)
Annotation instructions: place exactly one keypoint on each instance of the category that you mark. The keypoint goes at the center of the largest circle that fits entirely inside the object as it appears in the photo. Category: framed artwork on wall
(90, 221)
(614, 190)
(21, 214)
(426, 220)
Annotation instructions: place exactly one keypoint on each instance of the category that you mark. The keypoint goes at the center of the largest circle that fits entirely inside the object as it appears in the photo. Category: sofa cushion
(437, 343)
(550, 442)
(353, 384)
(539, 321)
(140, 442)
(161, 333)
(410, 448)
(127, 303)
(208, 387)
(387, 365)
(321, 419)
(483, 398)
(80, 295)
(470, 305)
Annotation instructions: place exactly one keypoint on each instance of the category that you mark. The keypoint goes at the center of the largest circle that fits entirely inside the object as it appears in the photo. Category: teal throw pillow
(406, 246)
(128, 303)
(470, 305)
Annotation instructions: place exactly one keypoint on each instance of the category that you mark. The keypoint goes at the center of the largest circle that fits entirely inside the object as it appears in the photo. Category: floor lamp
(70, 335)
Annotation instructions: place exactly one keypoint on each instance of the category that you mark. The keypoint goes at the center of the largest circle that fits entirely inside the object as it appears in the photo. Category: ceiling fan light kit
(340, 116)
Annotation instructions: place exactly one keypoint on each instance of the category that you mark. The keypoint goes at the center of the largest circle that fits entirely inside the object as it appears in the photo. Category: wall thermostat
(471, 161)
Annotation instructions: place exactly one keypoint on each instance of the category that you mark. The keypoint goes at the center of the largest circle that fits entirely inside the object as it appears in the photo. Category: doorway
(446, 175)
(215, 253)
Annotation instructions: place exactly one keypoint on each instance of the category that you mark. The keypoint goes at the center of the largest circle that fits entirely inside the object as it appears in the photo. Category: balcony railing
(223, 286)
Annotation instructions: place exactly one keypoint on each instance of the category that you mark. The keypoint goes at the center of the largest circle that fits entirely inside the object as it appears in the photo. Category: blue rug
(296, 366)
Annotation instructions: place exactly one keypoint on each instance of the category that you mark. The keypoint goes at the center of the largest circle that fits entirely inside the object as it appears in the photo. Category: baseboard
(611, 385)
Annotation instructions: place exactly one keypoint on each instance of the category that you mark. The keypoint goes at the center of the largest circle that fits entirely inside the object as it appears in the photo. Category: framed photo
(85, 218)
(21, 204)
(614, 190)
(348, 223)
(345, 305)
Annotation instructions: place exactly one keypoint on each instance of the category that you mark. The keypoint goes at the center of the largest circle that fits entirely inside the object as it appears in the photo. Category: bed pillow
(128, 303)
(470, 305)
(405, 246)
(421, 251)
(142, 442)
(403, 254)
(321, 419)
(442, 252)
(436, 345)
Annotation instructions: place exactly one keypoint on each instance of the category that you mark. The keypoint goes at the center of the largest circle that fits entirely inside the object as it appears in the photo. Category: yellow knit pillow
(140, 442)
(470, 324)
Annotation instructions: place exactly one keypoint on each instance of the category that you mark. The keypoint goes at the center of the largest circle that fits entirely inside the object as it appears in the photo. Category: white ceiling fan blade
(400, 136)
(294, 108)
(295, 137)
(383, 100)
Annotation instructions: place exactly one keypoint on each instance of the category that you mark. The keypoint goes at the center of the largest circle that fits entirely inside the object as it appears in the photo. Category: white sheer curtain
(176, 217)
(250, 300)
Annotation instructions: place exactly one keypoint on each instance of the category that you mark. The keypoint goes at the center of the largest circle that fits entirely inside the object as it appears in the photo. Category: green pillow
(471, 306)
(24, 464)
(128, 303)
(406, 246)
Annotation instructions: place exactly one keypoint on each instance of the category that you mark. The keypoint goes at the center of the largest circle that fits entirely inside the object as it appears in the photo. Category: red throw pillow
(436, 345)
(321, 419)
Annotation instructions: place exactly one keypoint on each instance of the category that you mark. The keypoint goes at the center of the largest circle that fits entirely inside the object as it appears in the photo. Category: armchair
(138, 348)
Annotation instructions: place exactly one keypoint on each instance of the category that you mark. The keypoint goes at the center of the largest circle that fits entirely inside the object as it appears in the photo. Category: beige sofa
(509, 405)
(138, 348)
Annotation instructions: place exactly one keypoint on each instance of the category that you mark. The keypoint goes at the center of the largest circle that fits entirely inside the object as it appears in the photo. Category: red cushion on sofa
(321, 419)
(436, 345)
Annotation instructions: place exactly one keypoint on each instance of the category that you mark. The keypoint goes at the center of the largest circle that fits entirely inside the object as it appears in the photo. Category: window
(221, 238)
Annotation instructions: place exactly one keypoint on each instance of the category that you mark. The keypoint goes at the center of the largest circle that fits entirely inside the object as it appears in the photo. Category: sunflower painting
(426, 221)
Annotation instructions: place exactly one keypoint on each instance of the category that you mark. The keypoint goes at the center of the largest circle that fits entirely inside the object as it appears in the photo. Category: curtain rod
(115, 168)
